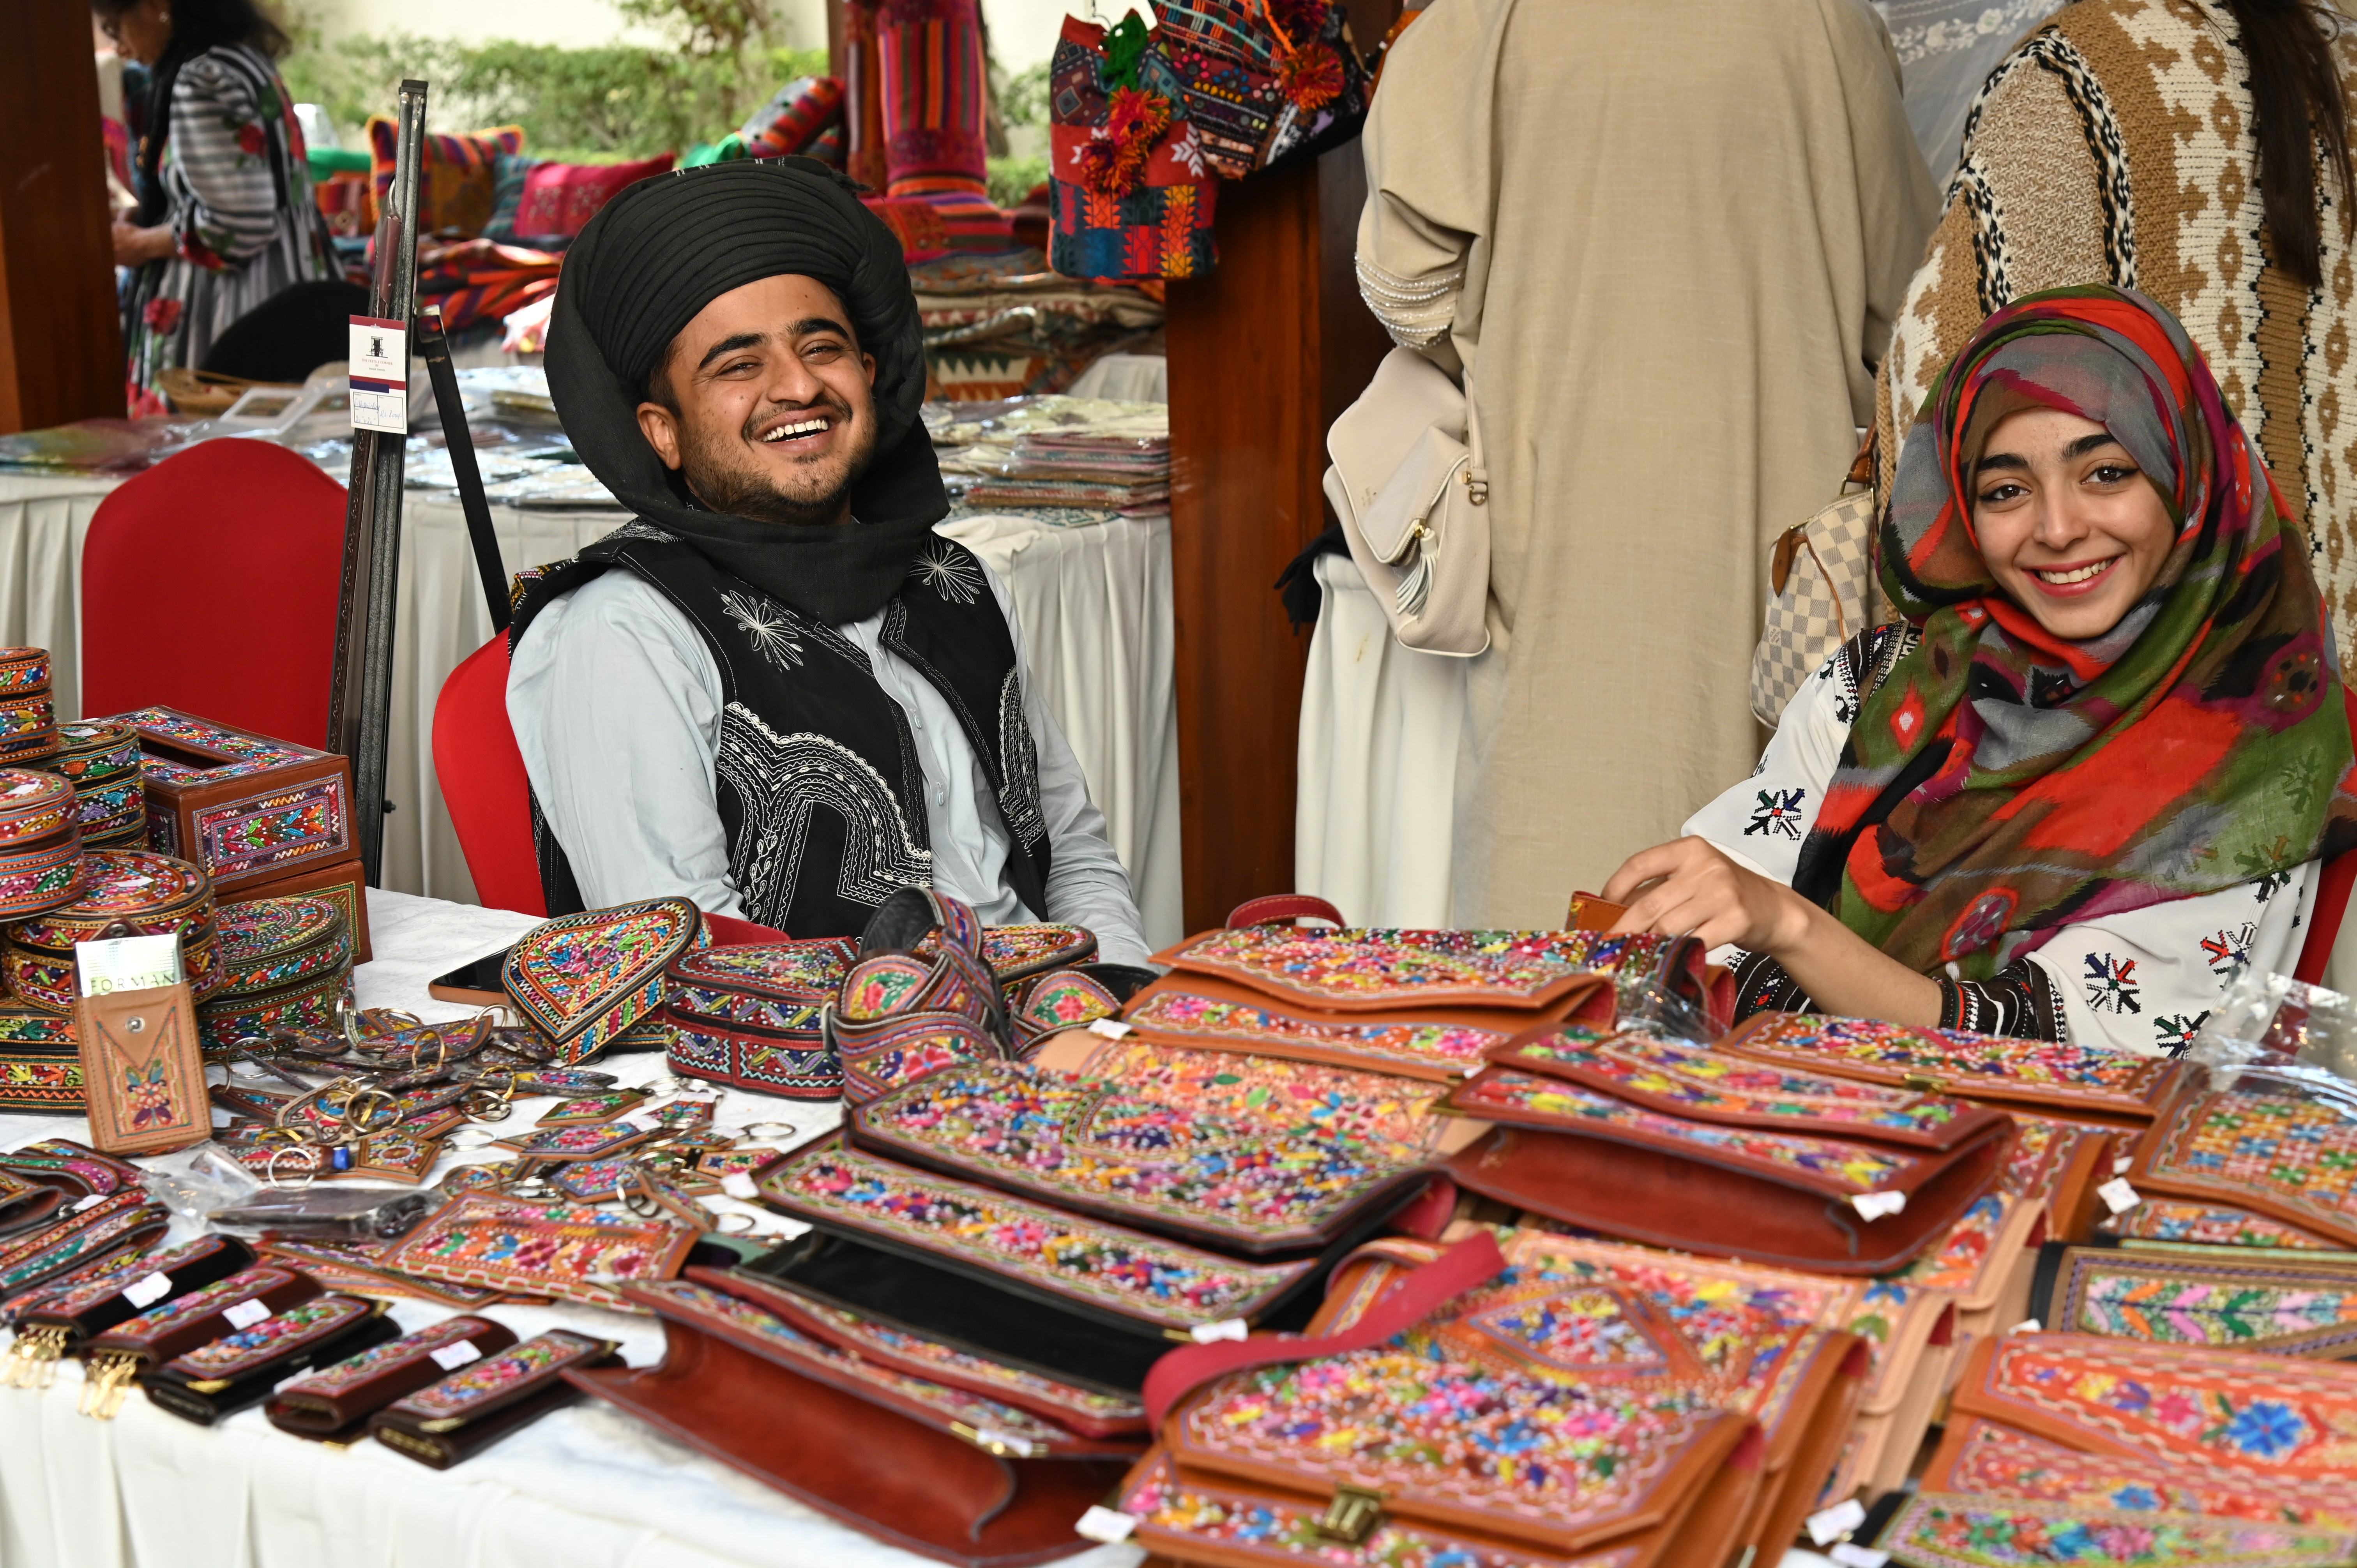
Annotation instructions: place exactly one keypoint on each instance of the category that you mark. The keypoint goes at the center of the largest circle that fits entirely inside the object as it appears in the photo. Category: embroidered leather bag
(1409, 482)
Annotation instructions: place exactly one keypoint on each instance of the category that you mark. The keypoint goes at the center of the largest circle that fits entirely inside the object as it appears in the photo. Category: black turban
(661, 251)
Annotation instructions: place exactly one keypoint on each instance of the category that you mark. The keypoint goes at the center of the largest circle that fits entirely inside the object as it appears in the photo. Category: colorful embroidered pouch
(1366, 971)
(1163, 1155)
(333, 1405)
(569, 1251)
(2299, 1306)
(584, 980)
(749, 1017)
(1801, 1199)
(1992, 1460)
(79, 1168)
(1125, 1281)
(473, 1408)
(2261, 1144)
(916, 1463)
(1944, 1530)
(356, 1268)
(1131, 196)
(109, 1226)
(240, 1370)
(2077, 1081)
(2181, 1220)
(1440, 1044)
(75, 1310)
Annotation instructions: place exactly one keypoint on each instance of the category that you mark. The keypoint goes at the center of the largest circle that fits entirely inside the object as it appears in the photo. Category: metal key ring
(270, 1169)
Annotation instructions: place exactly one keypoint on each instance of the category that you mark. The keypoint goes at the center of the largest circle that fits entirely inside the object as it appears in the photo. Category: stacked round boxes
(283, 964)
(40, 844)
(100, 758)
(151, 893)
(28, 720)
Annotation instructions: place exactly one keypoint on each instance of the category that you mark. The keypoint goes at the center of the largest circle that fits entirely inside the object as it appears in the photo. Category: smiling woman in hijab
(777, 690)
(2088, 778)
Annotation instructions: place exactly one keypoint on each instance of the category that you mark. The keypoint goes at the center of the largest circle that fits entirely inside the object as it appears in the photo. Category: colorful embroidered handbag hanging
(1131, 195)
(1262, 80)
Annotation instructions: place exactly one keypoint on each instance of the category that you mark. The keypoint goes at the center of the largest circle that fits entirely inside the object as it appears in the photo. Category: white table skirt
(1094, 603)
(585, 1487)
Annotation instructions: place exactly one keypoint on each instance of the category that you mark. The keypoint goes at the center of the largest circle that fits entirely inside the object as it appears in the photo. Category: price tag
(379, 375)
(2028, 1326)
(246, 1313)
(1111, 1028)
(739, 1184)
(147, 1290)
(1226, 1329)
(642, 1122)
(450, 1357)
(2124, 1165)
(1830, 1525)
(93, 1201)
(2119, 1194)
(1110, 1526)
(1875, 1205)
(128, 963)
(1851, 1555)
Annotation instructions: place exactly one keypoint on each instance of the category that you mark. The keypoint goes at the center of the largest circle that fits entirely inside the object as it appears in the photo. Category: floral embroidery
(78, 1296)
(1452, 1049)
(235, 1355)
(1777, 814)
(1164, 1283)
(181, 1311)
(350, 1374)
(1939, 1531)
(2170, 1300)
(2285, 1151)
(2163, 1219)
(2111, 984)
(1373, 968)
(538, 1249)
(1892, 1052)
(1999, 1461)
(767, 623)
(487, 1379)
(946, 570)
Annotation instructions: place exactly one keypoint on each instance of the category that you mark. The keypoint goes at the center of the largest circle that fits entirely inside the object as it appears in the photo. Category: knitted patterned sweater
(2114, 144)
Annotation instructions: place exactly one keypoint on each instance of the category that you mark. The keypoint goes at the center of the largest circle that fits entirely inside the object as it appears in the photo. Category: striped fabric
(933, 95)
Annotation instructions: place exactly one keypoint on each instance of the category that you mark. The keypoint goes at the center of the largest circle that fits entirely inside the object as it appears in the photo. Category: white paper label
(2028, 1326)
(147, 1290)
(1875, 1205)
(450, 1357)
(1021, 1447)
(644, 1122)
(1831, 1524)
(2119, 1194)
(93, 1201)
(1851, 1555)
(739, 1184)
(1108, 1525)
(128, 963)
(379, 375)
(2124, 1165)
(246, 1313)
(1226, 1329)
(1112, 1029)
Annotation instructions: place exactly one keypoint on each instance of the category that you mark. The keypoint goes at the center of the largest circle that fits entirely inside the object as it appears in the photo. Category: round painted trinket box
(152, 893)
(100, 758)
(24, 669)
(284, 963)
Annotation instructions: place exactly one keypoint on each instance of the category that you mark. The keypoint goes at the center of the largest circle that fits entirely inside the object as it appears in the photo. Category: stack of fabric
(1077, 461)
(1005, 325)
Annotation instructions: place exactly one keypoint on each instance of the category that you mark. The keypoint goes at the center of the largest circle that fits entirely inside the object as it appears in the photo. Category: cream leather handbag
(1408, 481)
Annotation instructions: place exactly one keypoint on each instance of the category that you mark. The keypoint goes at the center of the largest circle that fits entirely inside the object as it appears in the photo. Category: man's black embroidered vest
(819, 784)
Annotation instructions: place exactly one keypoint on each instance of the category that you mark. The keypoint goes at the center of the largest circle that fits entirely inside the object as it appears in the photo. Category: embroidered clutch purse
(1988, 1459)
(584, 981)
(240, 1370)
(2201, 1224)
(1367, 971)
(1941, 1530)
(1812, 1194)
(78, 1169)
(181, 1325)
(2088, 1081)
(473, 1408)
(573, 1252)
(333, 1405)
(749, 1017)
(1212, 1169)
(2227, 1298)
(936, 1469)
(62, 1315)
(2260, 1145)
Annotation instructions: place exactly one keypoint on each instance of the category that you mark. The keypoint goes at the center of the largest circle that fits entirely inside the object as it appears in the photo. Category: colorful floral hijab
(2001, 782)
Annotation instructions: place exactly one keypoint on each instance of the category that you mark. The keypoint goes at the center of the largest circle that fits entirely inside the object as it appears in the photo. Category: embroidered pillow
(802, 112)
(508, 172)
(457, 183)
(560, 198)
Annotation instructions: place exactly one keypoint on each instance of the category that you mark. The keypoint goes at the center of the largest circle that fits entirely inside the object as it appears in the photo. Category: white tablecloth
(1094, 603)
(585, 1487)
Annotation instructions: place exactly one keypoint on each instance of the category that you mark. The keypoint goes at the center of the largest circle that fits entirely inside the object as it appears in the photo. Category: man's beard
(722, 480)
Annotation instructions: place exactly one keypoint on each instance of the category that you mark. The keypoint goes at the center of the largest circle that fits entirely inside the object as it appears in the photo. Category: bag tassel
(1408, 598)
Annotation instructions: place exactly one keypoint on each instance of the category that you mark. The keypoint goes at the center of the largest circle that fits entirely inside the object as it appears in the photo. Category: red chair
(490, 796)
(2331, 897)
(209, 584)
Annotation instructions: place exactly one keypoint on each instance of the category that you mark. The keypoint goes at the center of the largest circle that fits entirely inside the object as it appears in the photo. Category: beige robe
(1670, 237)
(2114, 144)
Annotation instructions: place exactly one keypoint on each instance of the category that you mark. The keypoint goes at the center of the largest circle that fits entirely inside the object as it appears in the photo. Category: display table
(1094, 603)
(587, 1488)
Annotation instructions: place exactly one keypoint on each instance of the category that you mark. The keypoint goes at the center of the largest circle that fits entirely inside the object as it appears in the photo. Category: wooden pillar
(1263, 353)
(60, 346)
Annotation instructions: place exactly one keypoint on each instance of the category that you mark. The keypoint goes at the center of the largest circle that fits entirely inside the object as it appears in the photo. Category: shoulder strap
(1472, 1261)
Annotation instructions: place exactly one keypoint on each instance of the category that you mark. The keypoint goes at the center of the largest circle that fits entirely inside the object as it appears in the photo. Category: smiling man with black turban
(777, 690)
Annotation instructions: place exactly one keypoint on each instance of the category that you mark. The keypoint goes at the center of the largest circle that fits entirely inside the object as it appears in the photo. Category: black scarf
(661, 251)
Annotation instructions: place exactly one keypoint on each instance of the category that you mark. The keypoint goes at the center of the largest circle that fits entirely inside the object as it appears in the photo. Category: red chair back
(2333, 888)
(209, 584)
(484, 784)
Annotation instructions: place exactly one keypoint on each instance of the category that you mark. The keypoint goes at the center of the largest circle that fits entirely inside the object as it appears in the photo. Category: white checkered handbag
(1818, 581)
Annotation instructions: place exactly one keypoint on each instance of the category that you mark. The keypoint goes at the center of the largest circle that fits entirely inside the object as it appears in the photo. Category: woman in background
(225, 217)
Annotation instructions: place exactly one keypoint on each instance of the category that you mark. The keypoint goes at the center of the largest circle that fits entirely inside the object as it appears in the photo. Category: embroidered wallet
(466, 1412)
(240, 1370)
(956, 1476)
(334, 1403)
(2229, 1298)
(2261, 1146)
(74, 1310)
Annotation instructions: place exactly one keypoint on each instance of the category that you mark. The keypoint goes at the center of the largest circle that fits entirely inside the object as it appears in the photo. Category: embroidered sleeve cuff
(1763, 986)
(2019, 999)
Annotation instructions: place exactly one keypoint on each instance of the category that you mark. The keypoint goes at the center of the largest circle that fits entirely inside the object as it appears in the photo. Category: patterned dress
(2143, 981)
(240, 210)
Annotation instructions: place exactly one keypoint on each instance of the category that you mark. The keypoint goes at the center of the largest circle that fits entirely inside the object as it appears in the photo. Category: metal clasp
(1922, 1083)
(1352, 1515)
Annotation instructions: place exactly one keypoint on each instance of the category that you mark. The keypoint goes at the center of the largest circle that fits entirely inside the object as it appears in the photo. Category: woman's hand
(136, 247)
(1695, 887)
